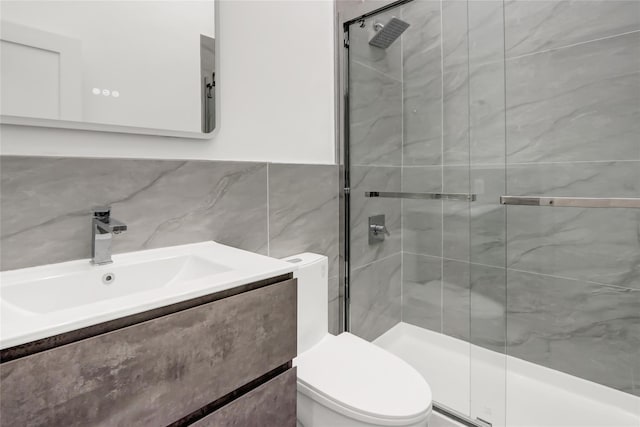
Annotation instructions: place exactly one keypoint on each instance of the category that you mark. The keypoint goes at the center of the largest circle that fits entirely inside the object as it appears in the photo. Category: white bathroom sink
(83, 284)
(43, 301)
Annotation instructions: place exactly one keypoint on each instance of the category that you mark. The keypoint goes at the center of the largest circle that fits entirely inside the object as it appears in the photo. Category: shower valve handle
(377, 229)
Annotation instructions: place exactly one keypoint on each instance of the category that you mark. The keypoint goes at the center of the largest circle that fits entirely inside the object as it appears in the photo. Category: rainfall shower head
(388, 33)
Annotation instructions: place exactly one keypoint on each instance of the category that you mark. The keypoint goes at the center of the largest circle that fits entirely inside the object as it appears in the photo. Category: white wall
(276, 91)
(350, 9)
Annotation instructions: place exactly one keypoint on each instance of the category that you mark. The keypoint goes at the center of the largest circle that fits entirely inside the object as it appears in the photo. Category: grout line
(573, 161)
(373, 165)
(506, 179)
(432, 256)
(469, 183)
(506, 58)
(423, 166)
(510, 58)
(268, 214)
(572, 279)
(569, 162)
(376, 71)
(442, 156)
(384, 258)
(402, 173)
(497, 267)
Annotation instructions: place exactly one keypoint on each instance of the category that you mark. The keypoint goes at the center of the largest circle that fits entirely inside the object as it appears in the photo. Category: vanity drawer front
(156, 372)
(273, 404)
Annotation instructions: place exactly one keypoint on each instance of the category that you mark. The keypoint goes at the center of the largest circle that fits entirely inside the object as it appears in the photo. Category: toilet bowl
(344, 380)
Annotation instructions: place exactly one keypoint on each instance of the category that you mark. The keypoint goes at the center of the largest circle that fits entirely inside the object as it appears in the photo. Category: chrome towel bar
(424, 196)
(572, 202)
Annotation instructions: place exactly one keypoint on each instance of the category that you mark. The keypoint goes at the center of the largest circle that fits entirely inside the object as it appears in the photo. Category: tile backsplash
(271, 209)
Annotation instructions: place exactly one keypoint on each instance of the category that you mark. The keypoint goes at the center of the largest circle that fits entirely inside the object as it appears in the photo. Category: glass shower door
(573, 265)
(487, 248)
(499, 166)
(407, 161)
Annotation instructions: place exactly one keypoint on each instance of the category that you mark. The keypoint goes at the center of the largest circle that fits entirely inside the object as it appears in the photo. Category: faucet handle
(377, 229)
(101, 211)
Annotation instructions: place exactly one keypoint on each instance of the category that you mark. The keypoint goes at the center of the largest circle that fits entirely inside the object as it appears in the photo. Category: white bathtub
(504, 390)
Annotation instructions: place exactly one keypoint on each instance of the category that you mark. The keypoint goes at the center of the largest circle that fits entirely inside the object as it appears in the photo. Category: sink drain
(108, 278)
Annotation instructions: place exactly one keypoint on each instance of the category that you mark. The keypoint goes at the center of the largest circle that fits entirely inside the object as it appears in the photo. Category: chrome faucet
(103, 227)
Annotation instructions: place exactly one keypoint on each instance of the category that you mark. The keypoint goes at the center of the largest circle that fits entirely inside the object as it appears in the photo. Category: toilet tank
(313, 295)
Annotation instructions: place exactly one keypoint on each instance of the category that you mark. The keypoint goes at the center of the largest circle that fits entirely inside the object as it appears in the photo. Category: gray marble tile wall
(586, 329)
(376, 152)
(425, 51)
(572, 102)
(563, 103)
(375, 297)
(501, 97)
(530, 98)
(535, 26)
(422, 290)
(423, 154)
(272, 209)
(422, 84)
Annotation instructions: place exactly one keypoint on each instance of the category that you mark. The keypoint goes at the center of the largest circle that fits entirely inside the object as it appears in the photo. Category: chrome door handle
(572, 202)
(423, 196)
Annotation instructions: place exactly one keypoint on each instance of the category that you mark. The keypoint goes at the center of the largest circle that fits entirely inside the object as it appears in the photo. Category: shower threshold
(478, 382)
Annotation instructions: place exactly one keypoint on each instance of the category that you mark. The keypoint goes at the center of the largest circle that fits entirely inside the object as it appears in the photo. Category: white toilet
(344, 380)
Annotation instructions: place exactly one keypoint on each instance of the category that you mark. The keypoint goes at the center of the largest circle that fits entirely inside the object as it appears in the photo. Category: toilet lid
(359, 378)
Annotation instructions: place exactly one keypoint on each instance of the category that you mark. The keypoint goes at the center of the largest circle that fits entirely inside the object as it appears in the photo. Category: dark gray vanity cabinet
(219, 360)
(271, 404)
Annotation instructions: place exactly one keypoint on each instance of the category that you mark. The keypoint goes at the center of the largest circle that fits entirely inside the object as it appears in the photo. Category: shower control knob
(378, 229)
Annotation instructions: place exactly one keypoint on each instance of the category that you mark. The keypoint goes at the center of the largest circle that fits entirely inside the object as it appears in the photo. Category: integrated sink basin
(79, 284)
(44, 301)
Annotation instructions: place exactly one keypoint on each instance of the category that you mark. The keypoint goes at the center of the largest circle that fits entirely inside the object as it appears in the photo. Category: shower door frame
(345, 177)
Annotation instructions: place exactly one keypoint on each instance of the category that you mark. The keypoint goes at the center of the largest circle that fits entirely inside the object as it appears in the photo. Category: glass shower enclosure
(492, 203)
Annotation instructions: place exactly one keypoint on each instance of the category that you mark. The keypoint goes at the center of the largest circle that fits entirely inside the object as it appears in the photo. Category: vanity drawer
(156, 372)
(271, 404)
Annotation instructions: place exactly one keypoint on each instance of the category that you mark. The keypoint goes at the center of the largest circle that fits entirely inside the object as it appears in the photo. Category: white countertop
(20, 323)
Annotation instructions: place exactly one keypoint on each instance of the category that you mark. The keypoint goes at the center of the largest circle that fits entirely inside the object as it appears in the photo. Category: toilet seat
(363, 382)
